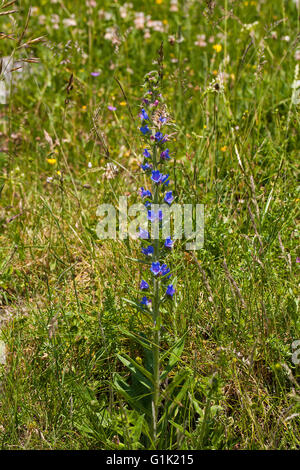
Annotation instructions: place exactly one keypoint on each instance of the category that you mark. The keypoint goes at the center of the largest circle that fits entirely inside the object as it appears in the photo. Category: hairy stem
(155, 316)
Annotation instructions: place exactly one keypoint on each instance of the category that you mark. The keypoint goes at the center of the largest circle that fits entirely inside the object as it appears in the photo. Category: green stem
(156, 319)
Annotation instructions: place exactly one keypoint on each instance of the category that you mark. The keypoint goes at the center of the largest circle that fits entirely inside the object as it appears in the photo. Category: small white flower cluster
(217, 84)
(55, 20)
(111, 171)
(201, 40)
(124, 10)
(111, 34)
(67, 22)
(140, 19)
(156, 25)
(91, 3)
(174, 5)
(105, 15)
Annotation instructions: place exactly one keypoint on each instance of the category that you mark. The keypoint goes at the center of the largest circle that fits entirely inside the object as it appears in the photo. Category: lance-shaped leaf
(134, 368)
(175, 354)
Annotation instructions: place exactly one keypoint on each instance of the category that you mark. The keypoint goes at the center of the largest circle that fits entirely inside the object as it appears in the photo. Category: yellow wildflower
(123, 103)
(51, 161)
(217, 47)
(223, 149)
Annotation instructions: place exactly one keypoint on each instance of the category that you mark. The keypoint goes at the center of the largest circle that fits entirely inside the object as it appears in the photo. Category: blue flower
(169, 197)
(146, 167)
(159, 136)
(169, 242)
(148, 251)
(170, 290)
(145, 129)
(144, 285)
(146, 153)
(145, 301)
(147, 204)
(163, 119)
(151, 216)
(165, 270)
(144, 115)
(156, 268)
(156, 176)
(165, 155)
(143, 233)
(165, 179)
(145, 193)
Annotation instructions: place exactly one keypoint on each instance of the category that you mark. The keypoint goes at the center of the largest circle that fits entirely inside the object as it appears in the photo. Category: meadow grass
(63, 309)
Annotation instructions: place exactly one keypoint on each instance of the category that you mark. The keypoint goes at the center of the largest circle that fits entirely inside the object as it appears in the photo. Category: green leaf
(134, 367)
(175, 354)
(136, 305)
(198, 410)
(180, 428)
(138, 428)
(141, 339)
(132, 395)
(182, 380)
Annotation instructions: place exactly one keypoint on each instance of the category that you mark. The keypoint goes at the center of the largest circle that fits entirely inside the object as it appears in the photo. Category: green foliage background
(62, 292)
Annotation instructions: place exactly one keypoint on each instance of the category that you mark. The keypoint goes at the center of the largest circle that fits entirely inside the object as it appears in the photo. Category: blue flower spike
(155, 244)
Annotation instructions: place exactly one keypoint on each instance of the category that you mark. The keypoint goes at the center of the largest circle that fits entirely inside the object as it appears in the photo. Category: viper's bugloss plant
(154, 124)
(152, 392)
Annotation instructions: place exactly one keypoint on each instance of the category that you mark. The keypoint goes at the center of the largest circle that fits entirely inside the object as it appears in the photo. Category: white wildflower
(200, 40)
(69, 22)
